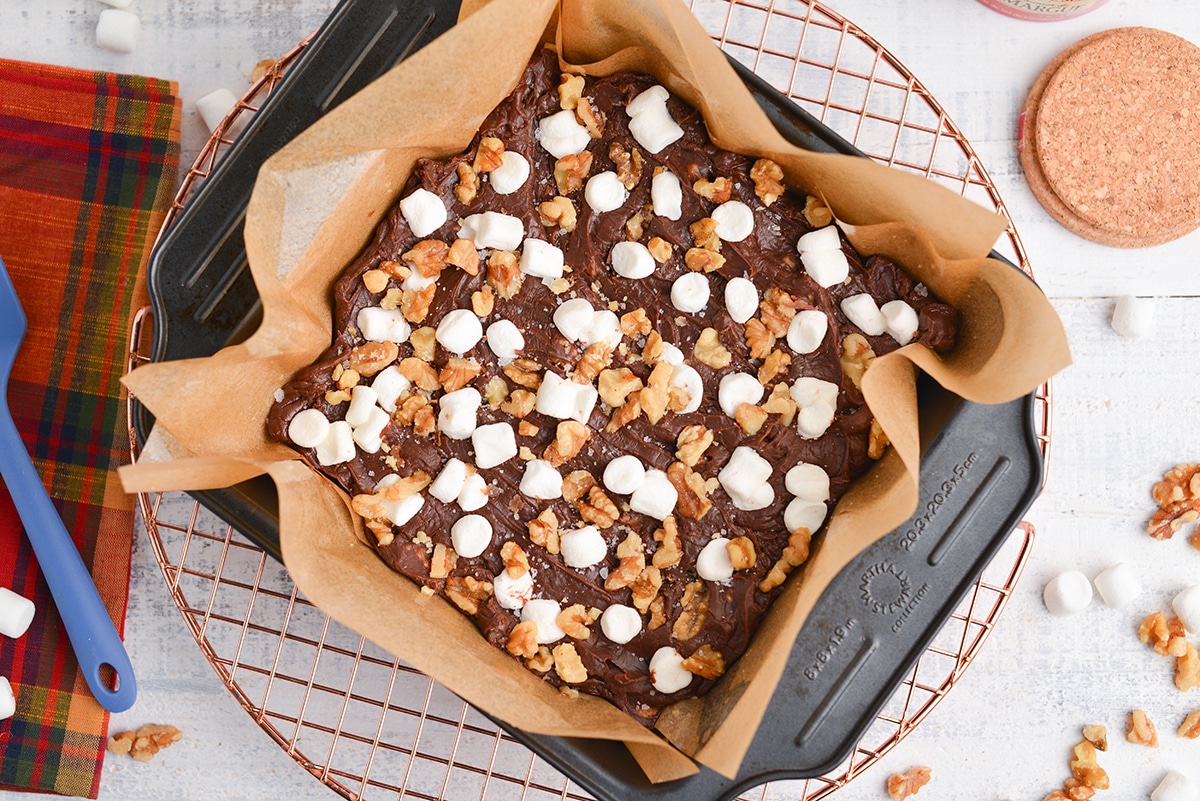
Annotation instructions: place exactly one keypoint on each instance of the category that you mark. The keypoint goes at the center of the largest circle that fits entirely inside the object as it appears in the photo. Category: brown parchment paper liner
(431, 105)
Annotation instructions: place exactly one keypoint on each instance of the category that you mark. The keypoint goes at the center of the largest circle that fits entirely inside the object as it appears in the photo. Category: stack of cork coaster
(1110, 137)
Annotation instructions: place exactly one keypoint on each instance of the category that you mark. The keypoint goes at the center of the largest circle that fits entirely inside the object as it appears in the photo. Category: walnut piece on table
(1178, 499)
(1140, 730)
(143, 744)
(901, 785)
(1190, 727)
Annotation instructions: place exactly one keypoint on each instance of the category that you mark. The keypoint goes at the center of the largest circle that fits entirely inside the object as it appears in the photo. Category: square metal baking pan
(981, 465)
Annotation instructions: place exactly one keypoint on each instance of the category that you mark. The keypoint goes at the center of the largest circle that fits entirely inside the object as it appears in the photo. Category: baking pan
(981, 465)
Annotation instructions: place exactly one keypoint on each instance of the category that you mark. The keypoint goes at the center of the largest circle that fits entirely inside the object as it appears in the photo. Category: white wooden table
(1123, 414)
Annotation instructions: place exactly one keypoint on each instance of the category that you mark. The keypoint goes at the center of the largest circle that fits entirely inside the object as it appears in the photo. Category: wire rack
(371, 727)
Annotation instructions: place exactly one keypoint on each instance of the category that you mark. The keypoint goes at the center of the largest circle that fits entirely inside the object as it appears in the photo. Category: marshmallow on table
(1175, 787)
(1187, 608)
(118, 30)
(1133, 317)
(1067, 593)
(8, 703)
(214, 107)
(1117, 585)
(16, 613)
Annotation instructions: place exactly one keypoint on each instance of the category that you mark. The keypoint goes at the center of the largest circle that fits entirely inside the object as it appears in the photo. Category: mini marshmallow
(338, 445)
(118, 30)
(8, 703)
(807, 331)
(449, 482)
(544, 612)
(1187, 608)
(826, 267)
(713, 563)
(735, 220)
(744, 476)
(505, 339)
(562, 135)
(583, 547)
(415, 282)
(541, 481)
(1133, 317)
(459, 331)
(690, 292)
(736, 389)
(686, 378)
(666, 195)
(817, 400)
(656, 496)
(808, 481)
(369, 435)
(573, 317)
(511, 174)
(826, 238)
(804, 514)
(362, 401)
(424, 212)
(389, 385)
(215, 107)
(491, 229)
(902, 320)
(565, 400)
(1067, 593)
(471, 535)
(541, 260)
(666, 671)
(741, 299)
(621, 623)
(494, 444)
(456, 412)
(632, 260)
(1175, 787)
(382, 325)
(308, 429)
(646, 98)
(863, 312)
(474, 493)
(604, 326)
(1117, 585)
(650, 122)
(16, 613)
(512, 593)
(400, 512)
(605, 192)
(624, 474)
(671, 354)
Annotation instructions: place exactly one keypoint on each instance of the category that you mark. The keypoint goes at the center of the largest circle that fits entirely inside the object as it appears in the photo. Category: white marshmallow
(804, 514)
(671, 354)
(583, 547)
(400, 512)
(471, 535)
(807, 331)
(562, 135)
(544, 612)
(16, 613)
(624, 474)
(541, 480)
(735, 220)
(474, 493)
(389, 384)
(605, 192)
(512, 593)
(826, 267)
(456, 412)
(1187, 608)
(369, 435)
(666, 671)
(863, 312)
(541, 260)
(573, 317)
(666, 195)
(505, 339)
(415, 282)
(362, 401)
(1117, 585)
(1133, 317)
(902, 321)
(656, 496)
(713, 563)
(744, 476)
(621, 623)
(690, 292)
(741, 299)
(449, 482)
(338, 445)
(826, 238)
(686, 378)
(565, 400)
(382, 325)
(424, 212)
(736, 389)
(215, 107)
(650, 122)
(653, 96)
(817, 400)
(605, 326)
(8, 703)
(309, 428)
(1067, 593)
(118, 30)
(511, 174)
(1175, 787)
(491, 229)
(459, 331)
(808, 481)
(494, 444)
(632, 260)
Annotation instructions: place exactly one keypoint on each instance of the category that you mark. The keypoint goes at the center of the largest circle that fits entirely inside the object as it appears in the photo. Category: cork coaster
(1110, 137)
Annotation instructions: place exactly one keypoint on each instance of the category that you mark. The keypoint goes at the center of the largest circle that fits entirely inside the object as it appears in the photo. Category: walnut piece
(522, 640)
(415, 303)
(635, 323)
(759, 338)
(570, 170)
(706, 662)
(590, 117)
(645, 590)
(781, 403)
(1139, 729)
(718, 190)
(1097, 736)
(559, 211)
(375, 281)
(143, 744)
(669, 551)
(660, 249)
(1085, 768)
(1159, 632)
(524, 372)
(458, 372)
(710, 351)
(420, 373)
(704, 231)
(656, 394)
(628, 164)
(516, 563)
(542, 661)
(1178, 499)
(691, 444)
(371, 357)
(495, 392)
(467, 591)
(576, 485)
(777, 310)
(703, 260)
(901, 785)
(776, 363)
(632, 558)
(877, 440)
(693, 502)
(504, 273)
(598, 509)
(595, 358)
(468, 183)
(483, 301)
(574, 621)
(857, 356)
(816, 212)
(691, 619)
(464, 256)
(741, 553)
(629, 411)
(768, 180)
(442, 562)
(569, 439)
(1187, 669)
(570, 89)
(750, 417)
(424, 342)
(543, 531)
(520, 403)
(489, 156)
(568, 665)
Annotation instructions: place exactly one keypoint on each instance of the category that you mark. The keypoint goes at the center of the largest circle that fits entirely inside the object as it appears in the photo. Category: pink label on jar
(1043, 10)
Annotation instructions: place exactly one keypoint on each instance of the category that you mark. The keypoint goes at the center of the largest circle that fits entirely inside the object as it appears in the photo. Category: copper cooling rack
(371, 727)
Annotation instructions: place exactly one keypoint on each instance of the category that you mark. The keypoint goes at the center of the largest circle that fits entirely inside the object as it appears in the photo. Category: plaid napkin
(88, 164)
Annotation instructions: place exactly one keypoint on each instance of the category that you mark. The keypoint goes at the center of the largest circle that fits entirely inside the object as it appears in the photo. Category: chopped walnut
(424, 342)
(691, 444)
(741, 553)
(568, 665)
(816, 212)
(495, 392)
(570, 89)
(489, 156)
(632, 558)
(483, 301)
(635, 226)
(1190, 727)
(759, 338)
(635, 323)
(658, 613)
(1178, 499)
(768, 180)
(420, 373)
(857, 356)
(520, 403)
(468, 183)
(1158, 632)
(901, 785)
(1187, 669)
(415, 303)
(395, 269)
(527, 429)
(780, 402)
(559, 211)
(669, 551)
(391, 300)
(704, 231)
(442, 562)
(569, 439)
(121, 743)
(464, 256)
(348, 379)
(371, 357)
(335, 397)
(660, 249)
(516, 563)
(504, 273)
(598, 509)
(543, 531)
(147, 741)
(615, 385)
(1097, 736)
(710, 351)
(777, 310)
(645, 589)
(595, 358)
(424, 421)
(409, 407)
(776, 363)
(877, 440)
(590, 117)
(574, 621)
(794, 555)
(628, 164)
(375, 281)
(428, 257)
(576, 485)
(570, 170)
(652, 351)
(1085, 768)
(656, 394)
(522, 640)
(542, 661)
(693, 502)
(706, 662)
(718, 191)
(467, 591)
(750, 417)
(524, 372)
(629, 411)
(1139, 729)
(691, 618)
(559, 285)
